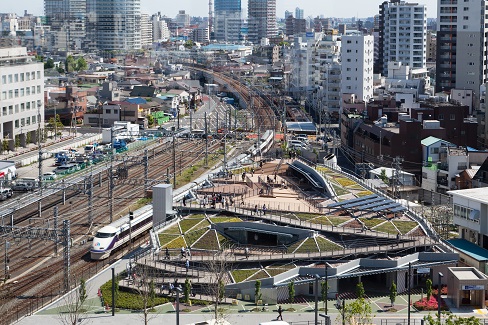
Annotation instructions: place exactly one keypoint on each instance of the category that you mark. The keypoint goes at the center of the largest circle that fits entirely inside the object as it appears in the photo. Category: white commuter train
(119, 232)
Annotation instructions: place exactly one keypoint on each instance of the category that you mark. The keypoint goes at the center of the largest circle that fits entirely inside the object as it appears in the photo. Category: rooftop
(470, 249)
(474, 194)
(467, 273)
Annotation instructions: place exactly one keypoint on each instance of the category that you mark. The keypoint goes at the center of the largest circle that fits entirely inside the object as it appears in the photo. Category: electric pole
(206, 141)
(174, 161)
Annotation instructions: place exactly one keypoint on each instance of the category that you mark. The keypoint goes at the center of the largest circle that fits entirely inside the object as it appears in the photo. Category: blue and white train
(119, 232)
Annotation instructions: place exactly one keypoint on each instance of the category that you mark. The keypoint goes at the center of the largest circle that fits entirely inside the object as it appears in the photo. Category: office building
(261, 20)
(299, 13)
(22, 97)
(67, 19)
(112, 27)
(182, 19)
(227, 20)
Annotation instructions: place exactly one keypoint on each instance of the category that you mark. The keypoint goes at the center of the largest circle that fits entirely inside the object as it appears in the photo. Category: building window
(440, 117)
(452, 117)
(4, 79)
(108, 111)
(22, 77)
(16, 77)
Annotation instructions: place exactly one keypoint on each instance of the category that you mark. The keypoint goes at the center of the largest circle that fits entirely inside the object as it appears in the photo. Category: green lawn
(260, 275)
(309, 245)
(202, 224)
(364, 193)
(336, 221)
(193, 236)
(370, 223)
(307, 216)
(175, 230)
(208, 241)
(243, 274)
(274, 272)
(166, 238)
(345, 181)
(225, 219)
(339, 190)
(187, 224)
(387, 227)
(176, 243)
(294, 246)
(326, 245)
(405, 226)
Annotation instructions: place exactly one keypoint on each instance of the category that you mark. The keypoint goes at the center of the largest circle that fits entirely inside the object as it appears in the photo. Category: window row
(20, 77)
(22, 107)
(21, 92)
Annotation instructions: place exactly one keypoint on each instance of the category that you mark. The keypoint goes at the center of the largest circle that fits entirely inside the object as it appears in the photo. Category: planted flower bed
(429, 305)
(176, 243)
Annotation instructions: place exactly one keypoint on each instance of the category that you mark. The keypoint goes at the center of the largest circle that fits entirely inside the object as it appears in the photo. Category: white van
(296, 143)
(276, 322)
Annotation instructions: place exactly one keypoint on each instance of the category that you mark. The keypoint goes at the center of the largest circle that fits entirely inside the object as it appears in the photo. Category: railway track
(30, 290)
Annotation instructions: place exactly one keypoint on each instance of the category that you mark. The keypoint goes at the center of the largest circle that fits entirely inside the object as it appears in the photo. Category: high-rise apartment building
(146, 30)
(227, 20)
(160, 30)
(113, 26)
(22, 96)
(357, 56)
(67, 19)
(461, 45)
(404, 34)
(299, 13)
(261, 20)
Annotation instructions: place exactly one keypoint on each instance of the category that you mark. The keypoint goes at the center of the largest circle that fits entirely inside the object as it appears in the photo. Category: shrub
(429, 305)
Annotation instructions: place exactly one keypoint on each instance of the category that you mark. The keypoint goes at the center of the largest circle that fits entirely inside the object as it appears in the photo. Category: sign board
(473, 287)
(423, 270)
(309, 34)
(2, 174)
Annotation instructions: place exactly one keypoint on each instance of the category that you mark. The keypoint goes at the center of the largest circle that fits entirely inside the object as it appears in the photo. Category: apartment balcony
(443, 167)
(442, 181)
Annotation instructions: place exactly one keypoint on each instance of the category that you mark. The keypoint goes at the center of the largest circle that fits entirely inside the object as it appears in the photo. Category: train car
(119, 232)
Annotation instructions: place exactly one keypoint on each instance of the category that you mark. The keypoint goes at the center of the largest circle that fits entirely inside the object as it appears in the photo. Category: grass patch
(287, 266)
(405, 226)
(274, 272)
(294, 246)
(308, 245)
(195, 216)
(364, 193)
(176, 243)
(336, 221)
(307, 216)
(225, 219)
(197, 169)
(326, 245)
(339, 190)
(187, 224)
(370, 223)
(174, 230)
(208, 241)
(193, 236)
(387, 227)
(166, 238)
(260, 275)
(241, 275)
(345, 181)
(321, 221)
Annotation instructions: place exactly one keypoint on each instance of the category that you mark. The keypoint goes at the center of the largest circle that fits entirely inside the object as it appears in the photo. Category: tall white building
(146, 30)
(227, 20)
(261, 20)
(182, 19)
(405, 34)
(299, 13)
(22, 96)
(357, 57)
(114, 27)
(160, 30)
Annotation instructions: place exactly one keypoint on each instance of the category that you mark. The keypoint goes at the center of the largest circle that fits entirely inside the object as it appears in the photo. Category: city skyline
(363, 8)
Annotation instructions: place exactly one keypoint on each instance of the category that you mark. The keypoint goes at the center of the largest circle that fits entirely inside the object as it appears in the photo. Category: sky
(328, 8)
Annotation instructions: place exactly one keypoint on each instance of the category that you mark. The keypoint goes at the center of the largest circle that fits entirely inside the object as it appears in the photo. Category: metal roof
(371, 202)
(362, 203)
(363, 198)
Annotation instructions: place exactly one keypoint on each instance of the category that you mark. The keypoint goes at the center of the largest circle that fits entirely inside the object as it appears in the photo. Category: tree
(257, 291)
(49, 64)
(81, 64)
(187, 290)
(452, 320)
(358, 312)
(360, 290)
(54, 125)
(218, 269)
(70, 64)
(393, 293)
(17, 141)
(5, 145)
(291, 291)
(145, 288)
(189, 44)
(71, 312)
(383, 176)
(325, 290)
(150, 120)
(428, 290)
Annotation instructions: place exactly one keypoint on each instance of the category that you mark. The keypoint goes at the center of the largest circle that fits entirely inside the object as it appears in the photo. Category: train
(118, 233)
(263, 145)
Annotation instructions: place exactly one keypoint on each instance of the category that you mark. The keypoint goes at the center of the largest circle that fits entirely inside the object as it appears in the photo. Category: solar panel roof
(338, 204)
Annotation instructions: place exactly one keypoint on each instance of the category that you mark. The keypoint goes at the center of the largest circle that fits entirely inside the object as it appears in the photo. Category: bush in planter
(429, 305)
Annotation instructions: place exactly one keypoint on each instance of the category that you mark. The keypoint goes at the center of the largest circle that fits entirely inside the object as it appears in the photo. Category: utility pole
(67, 244)
(174, 161)
(146, 170)
(55, 211)
(111, 186)
(206, 141)
(39, 146)
(89, 191)
(397, 163)
(7, 261)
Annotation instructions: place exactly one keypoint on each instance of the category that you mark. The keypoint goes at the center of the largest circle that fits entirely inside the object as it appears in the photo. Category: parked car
(5, 193)
(23, 187)
(49, 176)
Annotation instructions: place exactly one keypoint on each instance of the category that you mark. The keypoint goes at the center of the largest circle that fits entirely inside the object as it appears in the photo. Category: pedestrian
(256, 209)
(182, 252)
(246, 251)
(252, 171)
(170, 288)
(184, 201)
(264, 209)
(280, 312)
(188, 253)
(187, 265)
(227, 204)
(166, 253)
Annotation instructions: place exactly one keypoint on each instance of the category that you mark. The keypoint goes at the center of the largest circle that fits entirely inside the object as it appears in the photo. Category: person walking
(280, 312)
(187, 265)
(246, 251)
(256, 209)
(166, 253)
(264, 209)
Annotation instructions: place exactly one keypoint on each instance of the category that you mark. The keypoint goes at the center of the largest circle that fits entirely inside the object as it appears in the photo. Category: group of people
(174, 286)
(257, 211)
(216, 199)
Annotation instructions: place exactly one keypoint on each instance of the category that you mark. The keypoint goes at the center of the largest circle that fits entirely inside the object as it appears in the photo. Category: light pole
(178, 290)
(316, 299)
(439, 297)
(326, 286)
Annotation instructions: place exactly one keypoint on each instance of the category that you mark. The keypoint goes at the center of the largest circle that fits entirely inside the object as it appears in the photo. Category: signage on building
(473, 287)
(423, 270)
(2, 174)
(309, 34)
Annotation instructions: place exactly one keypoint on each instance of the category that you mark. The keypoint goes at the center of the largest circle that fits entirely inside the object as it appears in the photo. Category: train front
(103, 243)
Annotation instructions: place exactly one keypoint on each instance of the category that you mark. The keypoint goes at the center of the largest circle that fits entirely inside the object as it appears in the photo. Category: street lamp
(317, 277)
(178, 291)
(326, 286)
(439, 297)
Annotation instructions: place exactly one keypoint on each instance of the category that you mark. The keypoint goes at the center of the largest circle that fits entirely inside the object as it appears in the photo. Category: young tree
(257, 291)
(81, 64)
(5, 145)
(145, 288)
(187, 290)
(73, 309)
(218, 273)
(393, 293)
(291, 291)
(384, 177)
(428, 290)
(360, 290)
(325, 290)
(358, 312)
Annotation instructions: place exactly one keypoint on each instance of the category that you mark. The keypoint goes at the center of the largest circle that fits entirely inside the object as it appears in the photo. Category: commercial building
(404, 34)
(261, 20)
(22, 97)
(67, 19)
(114, 27)
(227, 20)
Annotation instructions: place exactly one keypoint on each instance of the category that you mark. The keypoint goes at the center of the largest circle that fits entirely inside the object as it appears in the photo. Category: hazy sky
(328, 8)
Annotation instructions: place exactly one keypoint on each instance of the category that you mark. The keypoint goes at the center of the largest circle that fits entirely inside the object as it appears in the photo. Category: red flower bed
(430, 304)
(443, 290)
